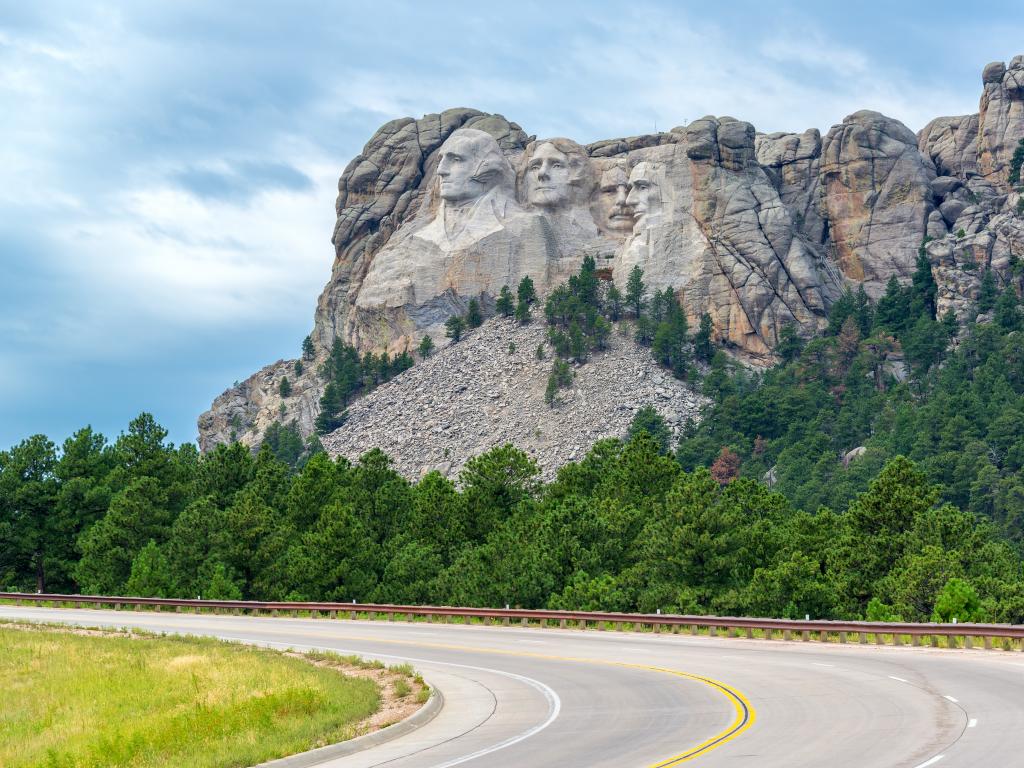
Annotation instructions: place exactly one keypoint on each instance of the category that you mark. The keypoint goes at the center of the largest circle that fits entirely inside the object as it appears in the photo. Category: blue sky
(168, 170)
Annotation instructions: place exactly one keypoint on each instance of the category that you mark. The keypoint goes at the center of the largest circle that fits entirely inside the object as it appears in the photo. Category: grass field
(83, 701)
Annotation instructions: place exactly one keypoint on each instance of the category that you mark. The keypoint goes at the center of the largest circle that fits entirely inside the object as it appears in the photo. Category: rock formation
(474, 395)
(757, 230)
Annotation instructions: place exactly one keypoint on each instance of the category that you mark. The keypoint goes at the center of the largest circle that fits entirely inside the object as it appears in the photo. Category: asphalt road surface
(547, 697)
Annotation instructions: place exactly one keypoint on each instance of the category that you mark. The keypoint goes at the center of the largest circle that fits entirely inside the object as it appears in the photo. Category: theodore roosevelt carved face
(616, 214)
(471, 164)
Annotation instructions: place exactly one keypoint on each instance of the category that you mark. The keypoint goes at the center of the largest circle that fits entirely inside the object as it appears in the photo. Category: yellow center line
(744, 711)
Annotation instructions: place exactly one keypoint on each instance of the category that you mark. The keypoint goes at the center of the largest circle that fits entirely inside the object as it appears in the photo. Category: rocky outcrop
(759, 231)
(876, 196)
(482, 393)
(1000, 119)
(244, 411)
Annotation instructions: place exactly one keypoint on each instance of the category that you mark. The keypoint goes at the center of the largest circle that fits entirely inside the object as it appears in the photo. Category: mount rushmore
(757, 230)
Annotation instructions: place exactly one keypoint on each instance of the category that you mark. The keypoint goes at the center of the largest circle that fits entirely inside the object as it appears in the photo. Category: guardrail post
(561, 623)
(750, 633)
(842, 637)
(823, 636)
(988, 642)
(806, 636)
(787, 635)
(507, 621)
(524, 622)
(600, 626)
(879, 638)
(693, 629)
(915, 640)
(968, 642)
(862, 638)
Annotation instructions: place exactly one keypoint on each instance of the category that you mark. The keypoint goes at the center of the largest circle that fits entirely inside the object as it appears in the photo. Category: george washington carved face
(471, 164)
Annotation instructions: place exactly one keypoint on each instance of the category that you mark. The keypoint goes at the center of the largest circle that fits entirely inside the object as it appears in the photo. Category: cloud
(168, 172)
(242, 181)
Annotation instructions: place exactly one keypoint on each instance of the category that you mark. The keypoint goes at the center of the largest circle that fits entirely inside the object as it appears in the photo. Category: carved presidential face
(456, 170)
(645, 194)
(616, 214)
(547, 177)
(471, 164)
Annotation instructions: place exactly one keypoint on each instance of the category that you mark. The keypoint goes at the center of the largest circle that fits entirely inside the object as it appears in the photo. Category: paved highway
(533, 697)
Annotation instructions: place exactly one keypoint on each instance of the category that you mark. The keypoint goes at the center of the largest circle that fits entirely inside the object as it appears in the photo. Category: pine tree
(426, 346)
(989, 292)
(635, 291)
(703, 349)
(298, 367)
(285, 387)
(505, 304)
(454, 327)
(473, 317)
(526, 291)
(307, 348)
(790, 344)
(523, 311)
(613, 301)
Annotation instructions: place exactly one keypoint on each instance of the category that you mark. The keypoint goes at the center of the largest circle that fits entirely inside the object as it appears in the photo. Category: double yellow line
(744, 711)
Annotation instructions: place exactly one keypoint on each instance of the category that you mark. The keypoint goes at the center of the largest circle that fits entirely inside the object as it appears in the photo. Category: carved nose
(620, 196)
(542, 174)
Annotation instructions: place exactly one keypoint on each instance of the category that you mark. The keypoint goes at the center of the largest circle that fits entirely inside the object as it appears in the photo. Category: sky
(168, 171)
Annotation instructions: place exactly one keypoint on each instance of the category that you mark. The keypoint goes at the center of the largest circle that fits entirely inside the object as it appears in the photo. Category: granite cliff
(758, 230)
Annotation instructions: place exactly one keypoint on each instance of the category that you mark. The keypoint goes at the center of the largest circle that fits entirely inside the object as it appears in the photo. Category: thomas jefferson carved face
(547, 177)
(644, 196)
(471, 164)
(616, 213)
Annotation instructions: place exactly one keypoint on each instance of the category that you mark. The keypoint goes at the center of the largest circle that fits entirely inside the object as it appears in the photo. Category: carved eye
(558, 164)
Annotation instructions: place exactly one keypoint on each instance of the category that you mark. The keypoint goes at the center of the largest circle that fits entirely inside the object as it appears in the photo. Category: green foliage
(626, 528)
(561, 376)
(505, 304)
(703, 348)
(958, 601)
(347, 375)
(649, 421)
(298, 368)
(523, 311)
(285, 387)
(307, 348)
(426, 346)
(635, 291)
(454, 327)
(526, 292)
(1015, 163)
(473, 317)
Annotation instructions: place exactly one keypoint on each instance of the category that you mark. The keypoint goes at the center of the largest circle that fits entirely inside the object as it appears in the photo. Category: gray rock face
(475, 395)
(951, 143)
(1000, 119)
(759, 231)
(876, 192)
(245, 410)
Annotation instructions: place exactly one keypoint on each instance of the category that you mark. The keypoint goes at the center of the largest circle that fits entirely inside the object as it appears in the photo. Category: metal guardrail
(788, 629)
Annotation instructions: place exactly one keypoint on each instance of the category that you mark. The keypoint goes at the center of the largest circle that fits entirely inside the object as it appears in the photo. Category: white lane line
(955, 701)
(893, 677)
(554, 703)
(972, 722)
(821, 664)
(933, 761)
(534, 642)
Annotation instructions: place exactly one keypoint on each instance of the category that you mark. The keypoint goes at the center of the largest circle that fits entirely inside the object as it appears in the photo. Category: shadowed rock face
(759, 231)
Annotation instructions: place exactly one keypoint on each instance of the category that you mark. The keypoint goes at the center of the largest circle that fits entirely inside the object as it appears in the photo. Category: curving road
(532, 697)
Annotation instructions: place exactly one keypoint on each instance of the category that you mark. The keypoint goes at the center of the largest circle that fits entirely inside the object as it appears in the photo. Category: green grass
(85, 701)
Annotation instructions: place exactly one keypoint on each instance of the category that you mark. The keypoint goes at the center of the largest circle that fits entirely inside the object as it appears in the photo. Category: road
(548, 697)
